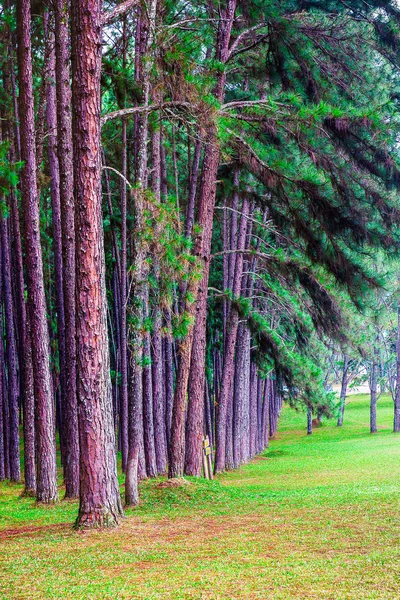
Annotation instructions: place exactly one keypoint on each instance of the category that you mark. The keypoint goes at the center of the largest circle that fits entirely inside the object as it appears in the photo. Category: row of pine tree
(199, 204)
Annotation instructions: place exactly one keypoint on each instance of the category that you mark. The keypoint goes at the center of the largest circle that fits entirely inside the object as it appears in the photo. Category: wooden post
(207, 462)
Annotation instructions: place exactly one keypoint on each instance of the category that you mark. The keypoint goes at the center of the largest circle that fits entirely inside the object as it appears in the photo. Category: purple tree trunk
(12, 361)
(343, 389)
(45, 426)
(65, 157)
(229, 358)
(396, 420)
(99, 495)
(374, 392)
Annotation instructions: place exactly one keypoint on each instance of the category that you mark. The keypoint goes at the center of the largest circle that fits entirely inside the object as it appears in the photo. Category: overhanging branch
(118, 11)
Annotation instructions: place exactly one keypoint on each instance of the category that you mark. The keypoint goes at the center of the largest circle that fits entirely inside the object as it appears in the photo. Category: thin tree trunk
(45, 426)
(124, 283)
(2, 453)
(100, 500)
(253, 432)
(12, 361)
(229, 358)
(6, 419)
(396, 421)
(160, 436)
(343, 389)
(197, 306)
(65, 156)
(374, 392)
(51, 118)
(193, 187)
(309, 420)
(24, 350)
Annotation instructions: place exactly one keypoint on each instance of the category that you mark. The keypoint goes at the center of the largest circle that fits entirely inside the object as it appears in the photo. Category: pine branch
(118, 11)
(133, 110)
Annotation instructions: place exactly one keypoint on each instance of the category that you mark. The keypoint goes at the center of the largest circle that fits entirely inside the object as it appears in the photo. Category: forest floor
(313, 517)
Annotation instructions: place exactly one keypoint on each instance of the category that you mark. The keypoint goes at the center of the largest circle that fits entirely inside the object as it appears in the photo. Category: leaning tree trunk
(100, 500)
(45, 426)
(199, 293)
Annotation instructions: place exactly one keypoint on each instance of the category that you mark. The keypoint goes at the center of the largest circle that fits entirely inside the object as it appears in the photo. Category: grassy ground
(314, 517)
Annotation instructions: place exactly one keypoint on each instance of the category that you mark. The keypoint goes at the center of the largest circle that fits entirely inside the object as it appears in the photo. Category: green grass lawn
(314, 517)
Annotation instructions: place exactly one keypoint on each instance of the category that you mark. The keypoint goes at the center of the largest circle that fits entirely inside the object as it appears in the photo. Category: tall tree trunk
(160, 434)
(51, 118)
(65, 157)
(197, 307)
(229, 358)
(5, 415)
(253, 410)
(144, 41)
(24, 341)
(25, 353)
(25, 348)
(343, 389)
(2, 449)
(396, 421)
(124, 282)
(100, 500)
(12, 361)
(374, 391)
(45, 426)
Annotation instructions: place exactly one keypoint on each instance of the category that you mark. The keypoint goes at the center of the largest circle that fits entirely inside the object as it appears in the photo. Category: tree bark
(51, 118)
(374, 392)
(12, 361)
(99, 498)
(65, 157)
(309, 420)
(228, 369)
(396, 420)
(197, 307)
(45, 426)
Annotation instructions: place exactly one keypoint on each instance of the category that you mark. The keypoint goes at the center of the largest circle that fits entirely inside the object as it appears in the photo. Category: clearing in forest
(313, 517)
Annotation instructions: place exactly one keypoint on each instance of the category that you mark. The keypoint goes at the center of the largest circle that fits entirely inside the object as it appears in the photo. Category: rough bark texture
(45, 426)
(51, 118)
(100, 500)
(229, 358)
(65, 151)
(12, 361)
(131, 478)
(124, 285)
(190, 353)
(160, 433)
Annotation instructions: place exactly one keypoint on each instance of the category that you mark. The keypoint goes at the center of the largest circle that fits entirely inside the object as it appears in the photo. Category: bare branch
(243, 36)
(106, 167)
(133, 110)
(118, 11)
